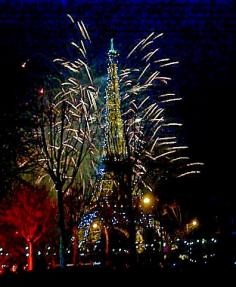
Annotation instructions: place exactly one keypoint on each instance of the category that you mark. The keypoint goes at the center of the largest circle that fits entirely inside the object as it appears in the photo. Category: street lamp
(146, 200)
(95, 225)
(192, 225)
(99, 226)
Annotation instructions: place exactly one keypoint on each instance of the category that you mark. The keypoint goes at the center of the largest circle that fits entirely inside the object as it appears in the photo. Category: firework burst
(73, 134)
(145, 98)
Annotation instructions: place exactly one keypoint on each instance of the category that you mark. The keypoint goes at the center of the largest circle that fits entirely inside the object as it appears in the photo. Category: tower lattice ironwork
(110, 179)
(114, 135)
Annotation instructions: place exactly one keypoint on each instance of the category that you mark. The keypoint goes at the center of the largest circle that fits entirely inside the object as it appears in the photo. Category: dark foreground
(141, 276)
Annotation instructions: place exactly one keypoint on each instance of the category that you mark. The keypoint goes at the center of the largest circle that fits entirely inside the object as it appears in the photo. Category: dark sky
(200, 34)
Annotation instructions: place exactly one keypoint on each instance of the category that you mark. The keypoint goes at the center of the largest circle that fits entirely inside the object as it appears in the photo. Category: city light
(95, 225)
(146, 200)
(194, 222)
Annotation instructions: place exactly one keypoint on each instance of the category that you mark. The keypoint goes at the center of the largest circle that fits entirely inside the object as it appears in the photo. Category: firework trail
(145, 97)
(69, 122)
(73, 131)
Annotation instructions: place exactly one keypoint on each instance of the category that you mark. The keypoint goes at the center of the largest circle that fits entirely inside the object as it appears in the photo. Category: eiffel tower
(111, 203)
(109, 187)
(115, 144)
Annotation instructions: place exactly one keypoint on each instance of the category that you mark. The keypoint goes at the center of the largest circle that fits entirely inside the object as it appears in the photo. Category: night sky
(200, 34)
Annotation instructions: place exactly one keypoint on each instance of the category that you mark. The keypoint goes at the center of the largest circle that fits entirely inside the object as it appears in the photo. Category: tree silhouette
(67, 124)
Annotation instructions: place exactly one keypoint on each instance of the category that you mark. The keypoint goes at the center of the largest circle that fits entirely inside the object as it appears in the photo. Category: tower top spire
(114, 137)
(112, 45)
(112, 52)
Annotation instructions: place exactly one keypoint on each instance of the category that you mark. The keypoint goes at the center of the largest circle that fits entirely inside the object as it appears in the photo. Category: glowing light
(146, 200)
(41, 91)
(194, 222)
(95, 225)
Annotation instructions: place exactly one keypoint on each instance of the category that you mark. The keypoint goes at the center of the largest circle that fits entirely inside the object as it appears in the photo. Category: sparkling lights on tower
(114, 149)
(108, 201)
(115, 144)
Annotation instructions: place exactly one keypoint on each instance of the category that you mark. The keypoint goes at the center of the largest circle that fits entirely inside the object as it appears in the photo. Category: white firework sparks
(153, 135)
(145, 96)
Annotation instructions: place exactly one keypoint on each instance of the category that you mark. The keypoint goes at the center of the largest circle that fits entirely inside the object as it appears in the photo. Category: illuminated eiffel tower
(112, 199)
(114, 155)
(115, 144)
